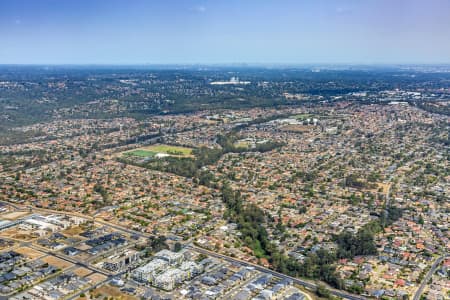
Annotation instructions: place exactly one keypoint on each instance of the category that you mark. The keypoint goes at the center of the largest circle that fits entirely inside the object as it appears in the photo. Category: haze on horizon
(216, 32)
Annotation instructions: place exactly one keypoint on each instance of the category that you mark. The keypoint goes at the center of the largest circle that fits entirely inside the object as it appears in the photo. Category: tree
(351, 245)
(322, 291)
(421, 221)
(177, 247)
(158, 243)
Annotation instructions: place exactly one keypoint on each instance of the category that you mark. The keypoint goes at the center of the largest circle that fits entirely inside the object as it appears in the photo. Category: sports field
(302, 116)
(170, 149)
(242, 144)
(140, 153)
(151, 151)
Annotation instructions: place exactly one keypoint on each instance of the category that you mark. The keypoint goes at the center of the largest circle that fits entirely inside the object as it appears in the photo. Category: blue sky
(228, 31)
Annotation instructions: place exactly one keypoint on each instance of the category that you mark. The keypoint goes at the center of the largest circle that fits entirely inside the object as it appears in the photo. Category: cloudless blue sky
(224, 31)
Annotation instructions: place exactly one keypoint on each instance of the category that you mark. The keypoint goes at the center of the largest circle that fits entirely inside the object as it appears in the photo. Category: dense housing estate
(292, 188)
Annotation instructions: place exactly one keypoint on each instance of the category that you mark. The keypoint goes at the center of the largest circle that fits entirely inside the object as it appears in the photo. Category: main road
(427, 277)
(306, 284)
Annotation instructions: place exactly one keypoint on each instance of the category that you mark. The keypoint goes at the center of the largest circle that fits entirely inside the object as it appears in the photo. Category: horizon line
(317, 64)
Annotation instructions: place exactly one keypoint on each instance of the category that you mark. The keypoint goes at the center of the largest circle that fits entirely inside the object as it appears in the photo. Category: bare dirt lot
(96, 277)
(384, 186)
(75, 230)
(82, 272)
(57, 262)
(18, 234)
(14, 215)
(111, 291)
(29, 252)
